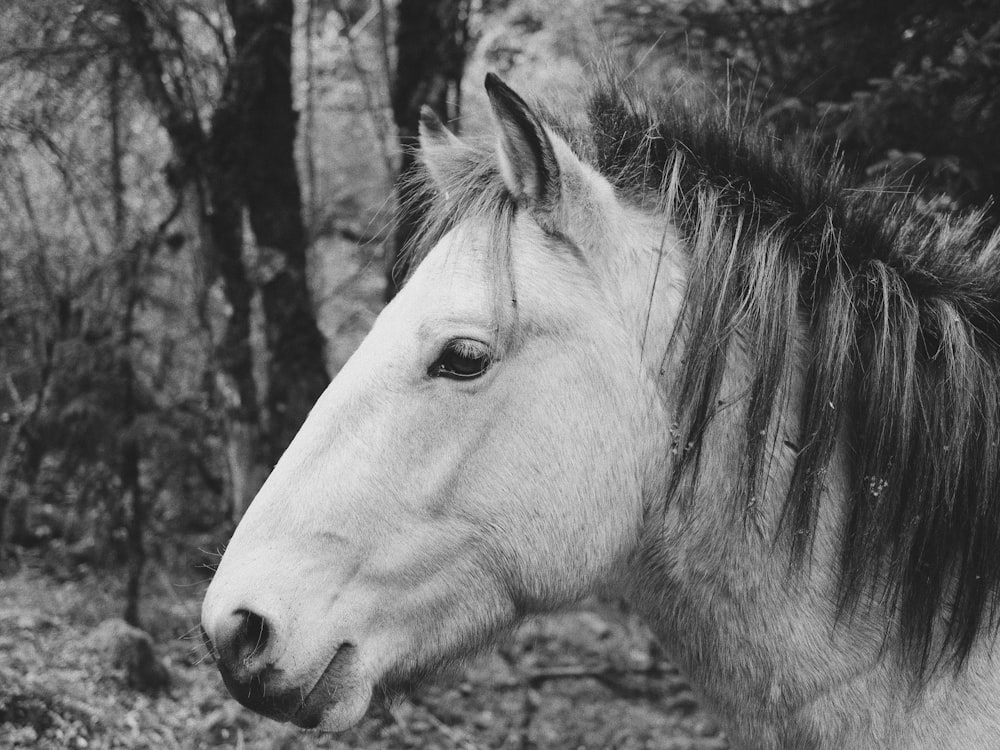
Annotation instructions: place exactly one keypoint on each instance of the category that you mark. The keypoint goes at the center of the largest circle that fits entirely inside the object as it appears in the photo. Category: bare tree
(259, 90)
(242, 164)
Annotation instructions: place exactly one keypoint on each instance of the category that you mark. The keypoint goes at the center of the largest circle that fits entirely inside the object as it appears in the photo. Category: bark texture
(243, 165)
(261, 91)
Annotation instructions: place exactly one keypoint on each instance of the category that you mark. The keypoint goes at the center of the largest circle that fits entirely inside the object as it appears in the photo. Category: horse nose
(239, 642)
(242, 643)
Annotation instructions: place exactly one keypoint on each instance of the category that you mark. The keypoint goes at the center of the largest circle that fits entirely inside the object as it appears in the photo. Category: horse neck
(763, 643)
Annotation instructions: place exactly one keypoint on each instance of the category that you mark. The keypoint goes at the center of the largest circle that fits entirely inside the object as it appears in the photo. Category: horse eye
(462, 359)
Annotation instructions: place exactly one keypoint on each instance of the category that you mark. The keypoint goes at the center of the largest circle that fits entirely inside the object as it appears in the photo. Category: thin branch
(78, 206)
(383, 33)
(215, 29)
(375, 113)
(41, 243)
(44, 52)
(186, 133)
(308, 132)
(24, 414)
(22, 427)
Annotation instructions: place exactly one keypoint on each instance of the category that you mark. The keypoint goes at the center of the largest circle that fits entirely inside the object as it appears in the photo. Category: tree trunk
(431, 42)
(234, 353)
(246, 162)
(133, 500)
(207, 167)
(262, 81)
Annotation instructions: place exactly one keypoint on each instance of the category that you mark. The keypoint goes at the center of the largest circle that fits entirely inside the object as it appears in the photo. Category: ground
(591, 678)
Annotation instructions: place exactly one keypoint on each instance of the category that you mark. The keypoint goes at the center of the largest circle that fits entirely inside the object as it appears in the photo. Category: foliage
(66, 362)
(908, 90)
(103, 346)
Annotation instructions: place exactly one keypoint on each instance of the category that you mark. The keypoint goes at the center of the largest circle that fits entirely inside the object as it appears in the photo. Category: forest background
(198, 224)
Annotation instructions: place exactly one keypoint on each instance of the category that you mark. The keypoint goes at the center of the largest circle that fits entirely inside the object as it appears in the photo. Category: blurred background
(197, 227)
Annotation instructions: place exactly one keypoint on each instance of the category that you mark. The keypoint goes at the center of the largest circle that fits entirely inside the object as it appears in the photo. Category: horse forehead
(455, 274)
(461, 273)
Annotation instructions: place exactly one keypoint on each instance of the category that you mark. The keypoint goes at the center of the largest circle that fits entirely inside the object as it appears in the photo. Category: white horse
(655, 354)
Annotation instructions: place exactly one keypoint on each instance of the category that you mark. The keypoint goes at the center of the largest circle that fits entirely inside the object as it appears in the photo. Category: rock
(130, 650)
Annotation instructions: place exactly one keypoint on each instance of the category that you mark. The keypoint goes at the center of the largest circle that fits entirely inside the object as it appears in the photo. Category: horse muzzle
(248, 655)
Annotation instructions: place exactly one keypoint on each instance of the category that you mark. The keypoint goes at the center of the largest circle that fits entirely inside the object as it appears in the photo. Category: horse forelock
(902, 312)
(475, 192)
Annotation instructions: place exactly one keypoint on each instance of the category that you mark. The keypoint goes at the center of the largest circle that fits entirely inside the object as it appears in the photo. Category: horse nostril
(251, 641)
(240, 643)
(243, 645)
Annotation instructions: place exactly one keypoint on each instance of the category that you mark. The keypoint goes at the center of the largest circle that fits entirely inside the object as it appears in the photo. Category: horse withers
(651, 350)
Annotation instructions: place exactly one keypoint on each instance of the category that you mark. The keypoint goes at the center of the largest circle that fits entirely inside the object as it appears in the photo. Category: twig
(383, 33)
(528, 708)
(7, 457)
(349, 34)
(308, 130)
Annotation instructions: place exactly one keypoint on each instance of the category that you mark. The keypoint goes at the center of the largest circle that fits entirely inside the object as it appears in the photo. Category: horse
(649, 348)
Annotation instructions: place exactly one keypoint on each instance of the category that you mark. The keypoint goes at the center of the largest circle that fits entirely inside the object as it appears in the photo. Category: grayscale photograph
(500, 374)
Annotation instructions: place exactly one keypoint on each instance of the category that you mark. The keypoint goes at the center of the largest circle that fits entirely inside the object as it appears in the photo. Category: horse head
(483, 456)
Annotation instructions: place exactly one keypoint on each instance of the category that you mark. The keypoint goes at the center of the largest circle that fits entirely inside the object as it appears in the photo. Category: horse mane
(902, 360)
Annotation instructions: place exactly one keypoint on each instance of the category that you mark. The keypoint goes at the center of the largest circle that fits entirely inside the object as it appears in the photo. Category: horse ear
(438, 151)
(433, 132)
(527, 160)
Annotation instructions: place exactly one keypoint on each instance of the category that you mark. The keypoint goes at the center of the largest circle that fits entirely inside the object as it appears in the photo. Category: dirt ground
(585, 679)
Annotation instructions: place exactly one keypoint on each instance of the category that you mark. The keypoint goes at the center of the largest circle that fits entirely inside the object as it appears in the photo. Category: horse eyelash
(469, 348)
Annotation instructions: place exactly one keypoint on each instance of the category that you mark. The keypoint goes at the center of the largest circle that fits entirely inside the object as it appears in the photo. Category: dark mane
(903, 315)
